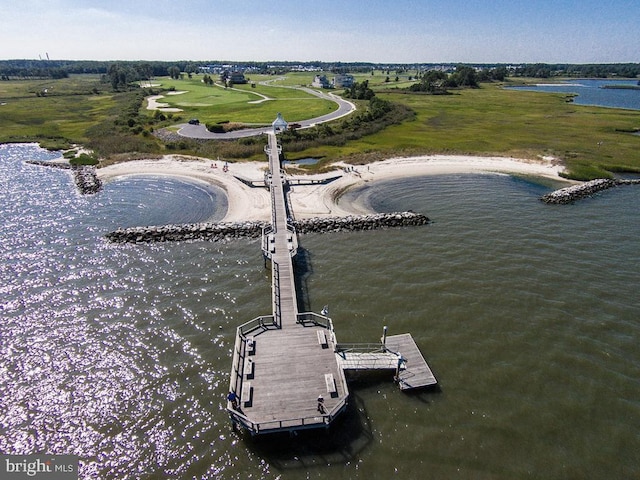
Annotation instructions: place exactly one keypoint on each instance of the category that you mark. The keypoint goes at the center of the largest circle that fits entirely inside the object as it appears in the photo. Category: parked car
(194, 121)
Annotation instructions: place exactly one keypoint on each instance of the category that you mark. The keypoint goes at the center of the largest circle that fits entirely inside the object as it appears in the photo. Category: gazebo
(279, 124)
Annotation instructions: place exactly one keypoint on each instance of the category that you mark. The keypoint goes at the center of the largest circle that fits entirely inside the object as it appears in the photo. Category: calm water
(528, 314)
(589, 92)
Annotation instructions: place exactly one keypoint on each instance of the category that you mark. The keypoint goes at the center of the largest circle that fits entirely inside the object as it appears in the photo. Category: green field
(490, 120)
(495, 121)
(242, 103)
(70, 106)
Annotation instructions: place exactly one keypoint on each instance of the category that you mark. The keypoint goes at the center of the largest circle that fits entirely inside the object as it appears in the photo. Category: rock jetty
(360, 222)
(230, 230)
(84, 176)
(587, 189)
(192, 231)
(86, 179)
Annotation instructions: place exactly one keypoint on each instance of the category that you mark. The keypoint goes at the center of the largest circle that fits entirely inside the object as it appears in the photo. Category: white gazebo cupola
(279, 124)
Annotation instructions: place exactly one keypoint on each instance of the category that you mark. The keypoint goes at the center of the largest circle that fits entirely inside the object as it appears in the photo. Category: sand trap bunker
(154, 104)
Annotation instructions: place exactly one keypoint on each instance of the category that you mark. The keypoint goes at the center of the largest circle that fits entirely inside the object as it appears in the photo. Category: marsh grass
(491, 120)
(55, 112)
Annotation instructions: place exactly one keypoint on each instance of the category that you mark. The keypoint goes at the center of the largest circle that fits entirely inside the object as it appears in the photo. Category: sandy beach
(249, 203)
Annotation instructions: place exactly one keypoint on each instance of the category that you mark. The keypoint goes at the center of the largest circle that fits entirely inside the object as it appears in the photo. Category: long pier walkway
(288, 371)
(283, 362)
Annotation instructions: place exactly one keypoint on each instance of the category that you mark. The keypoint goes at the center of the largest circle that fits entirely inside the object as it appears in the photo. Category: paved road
(200, 131)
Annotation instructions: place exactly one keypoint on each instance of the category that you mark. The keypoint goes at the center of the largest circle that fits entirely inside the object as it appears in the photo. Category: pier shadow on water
(339, 444)
(303, 270)
(343, 441)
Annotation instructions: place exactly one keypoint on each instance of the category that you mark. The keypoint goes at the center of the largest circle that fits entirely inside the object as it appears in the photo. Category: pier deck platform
(289, 369)
(417, 373)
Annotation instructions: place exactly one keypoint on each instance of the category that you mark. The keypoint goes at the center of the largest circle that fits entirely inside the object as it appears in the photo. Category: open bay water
(591, 92)
(528, 314)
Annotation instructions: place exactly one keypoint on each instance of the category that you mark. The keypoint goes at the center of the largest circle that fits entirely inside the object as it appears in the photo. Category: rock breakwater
(587, 189)
(84, 176)
(191, 231)
(86, 179)
(361, 222)
(230, 230)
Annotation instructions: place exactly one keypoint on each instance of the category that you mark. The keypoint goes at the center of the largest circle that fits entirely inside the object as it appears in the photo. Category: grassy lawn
(242, 103)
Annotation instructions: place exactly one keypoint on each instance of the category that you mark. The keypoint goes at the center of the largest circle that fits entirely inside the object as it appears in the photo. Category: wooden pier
(397, 353)
(416, 372)
(288, 371)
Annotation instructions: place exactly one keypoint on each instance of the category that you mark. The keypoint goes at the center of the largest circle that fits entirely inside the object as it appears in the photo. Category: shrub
(84, 159)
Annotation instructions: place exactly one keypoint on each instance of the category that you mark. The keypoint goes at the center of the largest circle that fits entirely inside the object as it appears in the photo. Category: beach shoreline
(320, 199)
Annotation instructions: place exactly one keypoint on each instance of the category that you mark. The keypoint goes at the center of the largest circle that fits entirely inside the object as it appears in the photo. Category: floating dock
(288, 370)
(416, 372)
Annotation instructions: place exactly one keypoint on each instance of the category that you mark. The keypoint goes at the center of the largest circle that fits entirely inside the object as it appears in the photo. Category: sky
(392, 31)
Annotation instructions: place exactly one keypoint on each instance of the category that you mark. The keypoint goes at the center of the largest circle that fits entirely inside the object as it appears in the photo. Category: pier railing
(313, 318)
(361, 348)
(293, 244)
(285, 424)
(368, 356)
(277, 301)
(244, 331)
(267, 236)
(264, 322)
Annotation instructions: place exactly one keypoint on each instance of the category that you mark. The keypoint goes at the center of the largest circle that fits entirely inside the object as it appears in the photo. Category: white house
(320, 81)
(343, 81)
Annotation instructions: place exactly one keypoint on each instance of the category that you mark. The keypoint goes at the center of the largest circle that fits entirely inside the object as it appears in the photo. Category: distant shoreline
(621, 87)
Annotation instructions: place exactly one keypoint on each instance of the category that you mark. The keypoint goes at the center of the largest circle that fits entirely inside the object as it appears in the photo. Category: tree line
(605, 70)
(32, 68)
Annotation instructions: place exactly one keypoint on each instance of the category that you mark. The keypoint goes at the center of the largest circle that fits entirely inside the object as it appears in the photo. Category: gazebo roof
(279, 122)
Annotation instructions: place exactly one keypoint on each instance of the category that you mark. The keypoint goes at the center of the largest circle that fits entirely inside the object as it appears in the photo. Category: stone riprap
(587, 189)
(192, 231)
(86, 179)
(361, 222)
(84, 176)
(230, 230)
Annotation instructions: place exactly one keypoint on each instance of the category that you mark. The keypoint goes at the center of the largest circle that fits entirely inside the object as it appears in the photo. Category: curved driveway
(200, 131)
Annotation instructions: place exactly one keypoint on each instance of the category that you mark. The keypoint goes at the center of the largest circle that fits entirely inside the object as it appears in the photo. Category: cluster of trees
(174, 72)
(377, 107)
(497, 74)
(438, 81)
(432, 82)
(359, 91)
(545, 70)
(122, 74)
